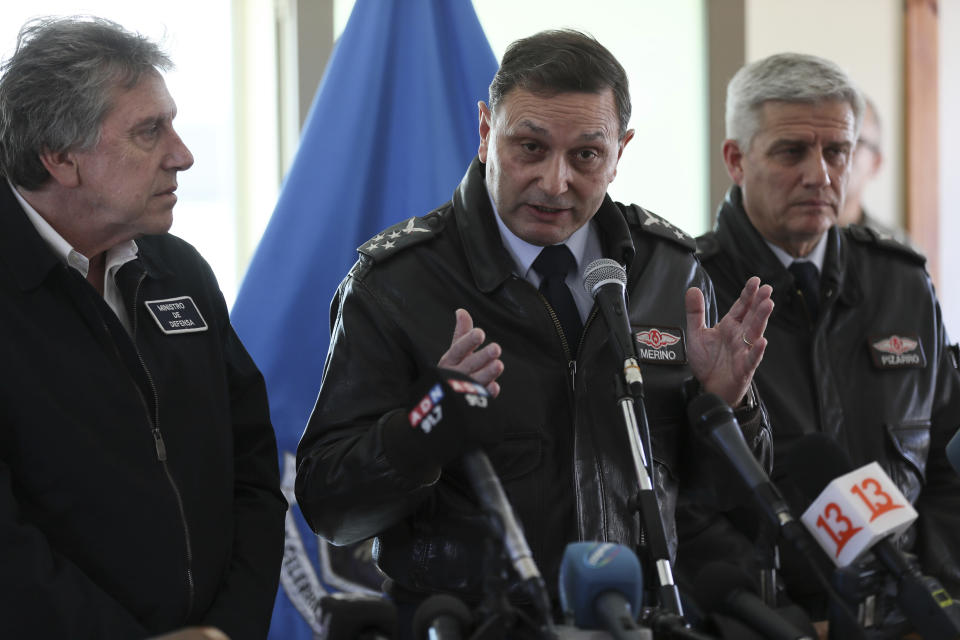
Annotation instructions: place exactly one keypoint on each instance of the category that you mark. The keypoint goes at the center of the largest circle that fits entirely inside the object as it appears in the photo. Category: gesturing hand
(724, 357)
(482, 365)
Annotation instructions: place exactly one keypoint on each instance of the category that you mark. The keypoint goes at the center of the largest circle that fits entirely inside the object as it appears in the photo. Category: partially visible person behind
(139, 488)
(865, 164)
(857, 348)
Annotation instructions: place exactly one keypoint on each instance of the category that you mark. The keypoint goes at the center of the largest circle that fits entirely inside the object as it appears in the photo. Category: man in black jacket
(139, 489)
(856, 345)
(476, 268)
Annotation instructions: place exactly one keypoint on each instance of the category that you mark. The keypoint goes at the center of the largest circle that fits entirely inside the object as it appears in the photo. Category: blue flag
(390, 133)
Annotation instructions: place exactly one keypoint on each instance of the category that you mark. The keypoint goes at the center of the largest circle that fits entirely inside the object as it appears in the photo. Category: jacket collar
(740, 239)
(24, 253)
(490, 263)
(30, 260)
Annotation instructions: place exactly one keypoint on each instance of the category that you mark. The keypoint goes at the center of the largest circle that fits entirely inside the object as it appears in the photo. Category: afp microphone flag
(391, 130)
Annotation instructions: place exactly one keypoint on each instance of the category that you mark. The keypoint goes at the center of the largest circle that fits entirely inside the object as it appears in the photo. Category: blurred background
(247, 72)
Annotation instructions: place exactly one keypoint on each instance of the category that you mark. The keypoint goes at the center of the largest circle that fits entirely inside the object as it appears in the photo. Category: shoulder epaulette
(400, 236)
(707, 245)
(868, 236)
(658, 226)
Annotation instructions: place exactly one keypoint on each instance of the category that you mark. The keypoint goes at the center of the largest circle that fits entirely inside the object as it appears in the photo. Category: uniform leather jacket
(842, 376)
(392, 318)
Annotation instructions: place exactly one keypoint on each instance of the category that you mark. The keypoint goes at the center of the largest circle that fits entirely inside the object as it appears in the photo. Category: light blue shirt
(584, 244)
(816, 256)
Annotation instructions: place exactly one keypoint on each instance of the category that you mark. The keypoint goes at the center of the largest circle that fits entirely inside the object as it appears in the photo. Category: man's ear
(485, 117)
(627, 137)
(733, 158)
(62, 166)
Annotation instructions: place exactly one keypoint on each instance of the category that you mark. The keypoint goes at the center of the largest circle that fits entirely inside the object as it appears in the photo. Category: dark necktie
(553, 264)
(807, 279)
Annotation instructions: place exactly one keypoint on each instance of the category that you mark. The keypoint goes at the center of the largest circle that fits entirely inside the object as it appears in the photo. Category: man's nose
(816, 171)
(555, 179)
(178, 157)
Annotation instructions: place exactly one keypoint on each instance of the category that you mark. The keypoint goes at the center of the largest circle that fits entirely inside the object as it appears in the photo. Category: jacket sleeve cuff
(755, 426)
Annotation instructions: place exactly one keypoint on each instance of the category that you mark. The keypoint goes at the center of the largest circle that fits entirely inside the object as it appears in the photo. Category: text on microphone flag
(856, 510)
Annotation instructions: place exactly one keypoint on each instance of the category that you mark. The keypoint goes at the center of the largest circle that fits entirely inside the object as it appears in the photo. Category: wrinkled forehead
(832, 120)
(147, 97)
(581, 114)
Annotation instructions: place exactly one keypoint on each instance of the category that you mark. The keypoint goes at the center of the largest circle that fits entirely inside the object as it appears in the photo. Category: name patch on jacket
(897, 351)
(176, 315)
(660, 345)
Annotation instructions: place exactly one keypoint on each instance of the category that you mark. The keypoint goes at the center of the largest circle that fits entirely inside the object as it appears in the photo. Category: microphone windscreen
(440, 604)
(725, 590)
(812, 463)
(705, 409)
(346, 615)
(589, 569)
(603, 270)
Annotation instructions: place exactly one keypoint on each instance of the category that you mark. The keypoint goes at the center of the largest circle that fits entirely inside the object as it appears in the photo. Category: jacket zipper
(571, 356)
(161, 449)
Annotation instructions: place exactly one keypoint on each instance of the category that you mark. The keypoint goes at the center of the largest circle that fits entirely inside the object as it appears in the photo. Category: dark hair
(56, 88)
(560, 61)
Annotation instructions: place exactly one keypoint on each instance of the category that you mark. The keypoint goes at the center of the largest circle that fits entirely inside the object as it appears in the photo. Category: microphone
(953, 452)
(451, 420)
(356, 616)
(711, 416)
(606, 281)
(851, 512)
(601, 586)
(441, 617)
(483, 478)
(725, 588)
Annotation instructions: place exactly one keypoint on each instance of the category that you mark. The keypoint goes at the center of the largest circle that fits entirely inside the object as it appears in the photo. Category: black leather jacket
(824, 377)
(393, 317)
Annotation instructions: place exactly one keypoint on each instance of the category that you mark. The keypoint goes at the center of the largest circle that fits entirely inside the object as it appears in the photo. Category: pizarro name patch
(897, 351)
(660, 345)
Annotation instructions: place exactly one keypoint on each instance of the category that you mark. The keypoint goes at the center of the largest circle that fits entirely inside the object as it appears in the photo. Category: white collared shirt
(584, 244)
(115, 258)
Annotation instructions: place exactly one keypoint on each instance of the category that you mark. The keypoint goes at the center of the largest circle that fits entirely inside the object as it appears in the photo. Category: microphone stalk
(606, 280)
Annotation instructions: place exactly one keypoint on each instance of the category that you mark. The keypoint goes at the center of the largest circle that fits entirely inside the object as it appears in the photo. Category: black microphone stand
(504, 552)
(629, 389)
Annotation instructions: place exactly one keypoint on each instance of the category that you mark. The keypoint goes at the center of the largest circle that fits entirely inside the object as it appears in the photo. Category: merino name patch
(897, 352)
(176, 315)
(660, 345)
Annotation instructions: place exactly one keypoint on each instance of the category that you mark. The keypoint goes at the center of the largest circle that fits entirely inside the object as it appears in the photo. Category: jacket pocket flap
(912, 441)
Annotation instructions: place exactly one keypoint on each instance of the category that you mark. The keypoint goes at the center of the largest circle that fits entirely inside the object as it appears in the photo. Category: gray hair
(56, 89)
(785, 77)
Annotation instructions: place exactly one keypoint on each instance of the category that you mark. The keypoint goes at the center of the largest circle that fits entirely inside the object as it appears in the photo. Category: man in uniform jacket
(475, 269)
(856, 344)
(139, 488)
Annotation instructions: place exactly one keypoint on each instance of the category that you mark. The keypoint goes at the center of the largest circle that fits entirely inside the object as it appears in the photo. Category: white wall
(949, 291)
(865, 37)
